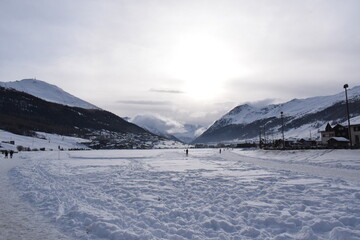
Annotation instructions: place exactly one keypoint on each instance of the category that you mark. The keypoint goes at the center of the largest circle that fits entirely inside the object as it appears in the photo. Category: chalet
(327, 134)
(337, 131)
(338, 142)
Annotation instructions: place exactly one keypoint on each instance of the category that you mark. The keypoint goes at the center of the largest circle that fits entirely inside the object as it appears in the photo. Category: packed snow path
(17, 219)
(163, 194)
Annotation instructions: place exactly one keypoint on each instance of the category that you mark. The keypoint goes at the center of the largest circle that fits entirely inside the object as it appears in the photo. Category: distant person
(6, 154)
(11, 153)
(220, 151)
(187, 152)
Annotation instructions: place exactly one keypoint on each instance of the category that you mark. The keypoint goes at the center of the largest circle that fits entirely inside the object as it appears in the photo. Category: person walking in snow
(6, 154)
(187, 152)
(11, 153)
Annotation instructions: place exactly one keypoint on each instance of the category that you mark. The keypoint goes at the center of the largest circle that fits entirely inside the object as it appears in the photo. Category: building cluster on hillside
(337, 136)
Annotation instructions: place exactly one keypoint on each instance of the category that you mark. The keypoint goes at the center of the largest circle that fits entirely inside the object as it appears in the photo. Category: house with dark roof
(338, 142)
(341, 131)
(337, 131)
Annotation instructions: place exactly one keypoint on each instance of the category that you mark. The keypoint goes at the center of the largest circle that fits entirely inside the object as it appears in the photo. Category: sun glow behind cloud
(203, 62)
(181, 58)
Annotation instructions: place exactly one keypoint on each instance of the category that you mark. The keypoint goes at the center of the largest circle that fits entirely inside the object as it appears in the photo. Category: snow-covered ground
(163, 194)
(43, 140)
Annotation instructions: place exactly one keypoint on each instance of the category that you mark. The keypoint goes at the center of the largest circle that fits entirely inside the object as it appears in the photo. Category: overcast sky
(188, 60)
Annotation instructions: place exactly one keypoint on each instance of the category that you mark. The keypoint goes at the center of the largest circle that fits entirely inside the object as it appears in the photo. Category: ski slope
(163, 194)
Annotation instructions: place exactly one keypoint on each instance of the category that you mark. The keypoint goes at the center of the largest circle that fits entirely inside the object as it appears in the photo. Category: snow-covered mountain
(48, 92)
(301, 116)
(26, 114)
(168, 128)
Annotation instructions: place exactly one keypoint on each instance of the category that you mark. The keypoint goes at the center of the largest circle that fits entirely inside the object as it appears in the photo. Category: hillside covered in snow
(25, 114)
(48, 92)
(301, 116)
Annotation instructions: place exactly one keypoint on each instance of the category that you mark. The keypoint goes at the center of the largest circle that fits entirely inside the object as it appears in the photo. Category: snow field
(329, 158)
(44, 140)
(162, 194)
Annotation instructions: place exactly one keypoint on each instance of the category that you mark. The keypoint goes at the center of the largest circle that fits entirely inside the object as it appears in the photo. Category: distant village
(332, 137)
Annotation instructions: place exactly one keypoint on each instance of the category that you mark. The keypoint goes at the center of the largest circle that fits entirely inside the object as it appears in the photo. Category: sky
(190, 60)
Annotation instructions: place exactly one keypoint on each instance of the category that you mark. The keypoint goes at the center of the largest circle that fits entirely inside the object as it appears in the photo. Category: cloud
(140, 102)
(166, 91)
(156, 122)
(200, 131)
(99, 51)
(167, 126)
(262, 103)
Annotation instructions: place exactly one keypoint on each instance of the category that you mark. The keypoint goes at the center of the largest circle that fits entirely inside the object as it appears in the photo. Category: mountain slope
(48, 92)
(24, 114)
(300, 117)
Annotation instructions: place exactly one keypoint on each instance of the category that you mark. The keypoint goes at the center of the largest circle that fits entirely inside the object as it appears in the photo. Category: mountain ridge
(48, 92)
(244, 122)
(25, 114)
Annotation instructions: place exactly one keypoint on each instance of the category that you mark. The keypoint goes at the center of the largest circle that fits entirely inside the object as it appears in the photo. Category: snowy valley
(180, 120)
(154, 190)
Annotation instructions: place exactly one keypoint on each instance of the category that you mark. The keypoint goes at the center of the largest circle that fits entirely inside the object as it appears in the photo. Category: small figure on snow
(187, 152)
(11, 153)
(220, 150)
(6, 154)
